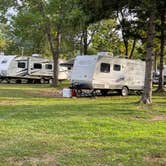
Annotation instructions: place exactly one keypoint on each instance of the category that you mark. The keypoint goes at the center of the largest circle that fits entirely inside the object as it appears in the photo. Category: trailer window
(117, 67)
(4, 61)
(37, 66)
(48, 66)
(21, 65)
(105, 68)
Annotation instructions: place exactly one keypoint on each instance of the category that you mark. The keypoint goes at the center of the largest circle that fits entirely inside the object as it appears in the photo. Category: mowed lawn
(38, 129)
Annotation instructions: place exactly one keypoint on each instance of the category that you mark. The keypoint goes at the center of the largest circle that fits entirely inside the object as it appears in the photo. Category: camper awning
(68, 63)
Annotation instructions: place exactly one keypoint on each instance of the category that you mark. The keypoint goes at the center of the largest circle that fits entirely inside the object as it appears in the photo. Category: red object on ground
(73, 92)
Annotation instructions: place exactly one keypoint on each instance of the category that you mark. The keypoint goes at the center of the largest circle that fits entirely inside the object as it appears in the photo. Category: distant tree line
(135, 29)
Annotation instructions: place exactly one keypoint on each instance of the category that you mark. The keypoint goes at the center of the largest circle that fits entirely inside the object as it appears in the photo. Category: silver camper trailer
(156, 76)
(34, 69)
(105, 73)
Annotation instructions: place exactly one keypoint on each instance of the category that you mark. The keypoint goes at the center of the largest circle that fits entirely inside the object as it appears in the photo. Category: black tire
(124, 91)
(7, 81)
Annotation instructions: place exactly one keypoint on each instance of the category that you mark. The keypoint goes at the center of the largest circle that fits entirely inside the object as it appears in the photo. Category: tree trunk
(161, 76)
(54, 47)
(81, 44)
(124, 33)
(55, 60)
(155, 62)
(126, 47)
(147, 94)
(85, 40)
(55, 51)
(132, 50)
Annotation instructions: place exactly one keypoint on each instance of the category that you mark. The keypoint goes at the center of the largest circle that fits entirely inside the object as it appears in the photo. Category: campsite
(82, 83)
(31, 69)
(39, 129)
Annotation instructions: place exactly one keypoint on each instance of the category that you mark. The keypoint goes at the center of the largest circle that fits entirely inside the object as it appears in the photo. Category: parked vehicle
(157, 74)
(34, 69)
(69, 65)
(107, 73)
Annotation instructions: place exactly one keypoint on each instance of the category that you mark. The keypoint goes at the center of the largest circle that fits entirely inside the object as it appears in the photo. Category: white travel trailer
(106, 73)
(11, 66)
(32, 69)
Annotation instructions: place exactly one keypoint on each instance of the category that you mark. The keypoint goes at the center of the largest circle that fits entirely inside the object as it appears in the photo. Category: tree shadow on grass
(17, 93)
(69, 110)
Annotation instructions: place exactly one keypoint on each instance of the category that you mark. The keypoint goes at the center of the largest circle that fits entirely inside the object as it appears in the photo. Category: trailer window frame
(105, 68)
(117, 67)
(48, 66)
(37, 66)
(21, 65)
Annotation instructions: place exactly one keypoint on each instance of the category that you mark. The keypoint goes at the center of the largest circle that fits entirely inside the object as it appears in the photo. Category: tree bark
(147, 94)
(55, 52)
(54, 47)
(132, 50)
(124, 33)
(81, 44)
(126, 46)
(55, 59)
(155, 62)
(85, 40)
(162, 41)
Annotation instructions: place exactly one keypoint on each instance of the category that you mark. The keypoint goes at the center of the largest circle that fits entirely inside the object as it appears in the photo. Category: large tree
(40, 20)
(161, 13)
(147, 94)
(149, 8)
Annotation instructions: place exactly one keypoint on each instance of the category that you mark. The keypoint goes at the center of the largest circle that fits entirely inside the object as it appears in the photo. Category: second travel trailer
(105, 73)
(156, 76)
(34, 69)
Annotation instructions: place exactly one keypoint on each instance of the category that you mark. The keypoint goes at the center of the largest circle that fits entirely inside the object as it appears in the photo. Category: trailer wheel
(50, 81)
(7, 80)
(42, 81)
(124, 91)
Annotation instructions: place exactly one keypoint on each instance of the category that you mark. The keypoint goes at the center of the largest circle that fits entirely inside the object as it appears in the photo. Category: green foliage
(28, 33)
(4, 38)
(3, 42)
(27, 28)
(106, 37)
(29, 25)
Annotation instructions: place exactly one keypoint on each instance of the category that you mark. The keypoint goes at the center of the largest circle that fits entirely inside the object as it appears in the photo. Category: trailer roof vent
(105, 54)
(36, 55)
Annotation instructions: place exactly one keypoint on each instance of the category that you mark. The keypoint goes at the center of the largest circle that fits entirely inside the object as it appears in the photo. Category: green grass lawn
(39, 129)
